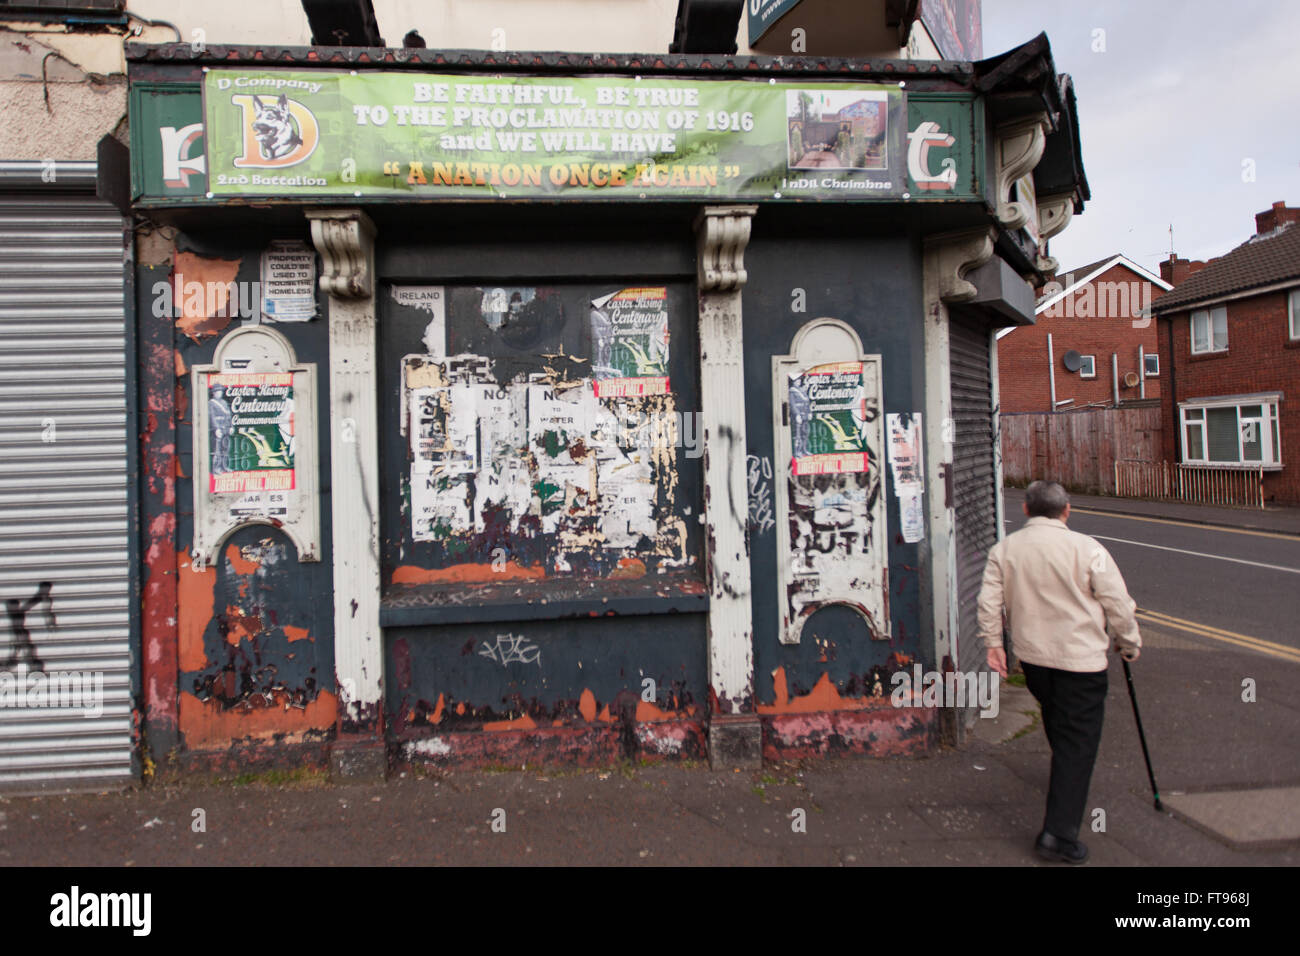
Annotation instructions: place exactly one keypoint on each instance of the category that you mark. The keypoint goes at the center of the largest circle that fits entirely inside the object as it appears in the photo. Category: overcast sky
(1185, 93)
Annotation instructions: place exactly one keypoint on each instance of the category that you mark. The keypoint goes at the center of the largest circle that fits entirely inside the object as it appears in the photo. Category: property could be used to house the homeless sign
(319, 133)
(250, 425)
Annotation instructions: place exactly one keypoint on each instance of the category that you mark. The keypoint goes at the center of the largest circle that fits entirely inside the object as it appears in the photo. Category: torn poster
(551, 454)
(905, 456)
(629, 341)
(829, 415)
(431, 299)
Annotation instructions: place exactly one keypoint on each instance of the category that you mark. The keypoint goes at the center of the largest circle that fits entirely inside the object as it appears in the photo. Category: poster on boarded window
(829, 417)
(629, 341)
(250, 432)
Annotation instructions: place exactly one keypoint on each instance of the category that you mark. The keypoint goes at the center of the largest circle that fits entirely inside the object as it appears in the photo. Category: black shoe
(1056, 850)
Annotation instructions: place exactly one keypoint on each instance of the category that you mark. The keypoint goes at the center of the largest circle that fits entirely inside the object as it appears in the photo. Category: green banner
(328, 133)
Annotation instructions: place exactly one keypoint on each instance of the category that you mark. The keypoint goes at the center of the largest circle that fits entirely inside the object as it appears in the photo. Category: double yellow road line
(1218, 634)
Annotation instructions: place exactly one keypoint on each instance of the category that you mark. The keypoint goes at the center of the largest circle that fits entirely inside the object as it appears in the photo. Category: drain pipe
(1114, 374)
(1051, 372)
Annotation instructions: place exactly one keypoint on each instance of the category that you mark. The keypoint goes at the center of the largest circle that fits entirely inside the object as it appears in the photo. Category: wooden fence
(1078, 448)
(1240, 487)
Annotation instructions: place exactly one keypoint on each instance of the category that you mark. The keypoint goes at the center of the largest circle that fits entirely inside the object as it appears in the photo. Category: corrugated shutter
(973, 476)
(64, 565)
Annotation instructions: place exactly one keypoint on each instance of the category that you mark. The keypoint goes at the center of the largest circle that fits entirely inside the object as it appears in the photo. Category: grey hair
(1046, 499)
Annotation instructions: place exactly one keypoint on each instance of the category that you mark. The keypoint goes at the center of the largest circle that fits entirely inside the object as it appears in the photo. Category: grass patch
(1016, 680)
(1034, 719)
(302, 778)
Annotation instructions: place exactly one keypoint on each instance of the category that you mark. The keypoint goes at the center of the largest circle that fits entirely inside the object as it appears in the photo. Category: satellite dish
(1131, 379)
(1072, 361)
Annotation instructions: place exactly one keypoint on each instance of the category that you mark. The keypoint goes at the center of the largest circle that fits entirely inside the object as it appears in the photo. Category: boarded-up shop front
(577, 415)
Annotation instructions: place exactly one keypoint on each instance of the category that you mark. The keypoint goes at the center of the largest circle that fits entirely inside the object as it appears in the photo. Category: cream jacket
(1065, 599)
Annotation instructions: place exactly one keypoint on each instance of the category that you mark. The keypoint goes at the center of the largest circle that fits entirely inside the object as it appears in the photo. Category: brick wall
(1094, 321)
(1260, 358)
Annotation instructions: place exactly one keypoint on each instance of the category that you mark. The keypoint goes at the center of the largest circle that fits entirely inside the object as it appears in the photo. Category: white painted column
(735, 736)
(345, 240)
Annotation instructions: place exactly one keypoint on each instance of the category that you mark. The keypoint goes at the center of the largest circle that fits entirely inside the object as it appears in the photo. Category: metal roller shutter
(64, 560)
(974, 481)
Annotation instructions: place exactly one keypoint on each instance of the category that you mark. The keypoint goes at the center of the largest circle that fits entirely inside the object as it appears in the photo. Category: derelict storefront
(572, 411)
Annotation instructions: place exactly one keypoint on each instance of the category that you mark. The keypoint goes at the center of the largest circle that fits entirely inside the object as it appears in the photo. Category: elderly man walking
(1066, 605)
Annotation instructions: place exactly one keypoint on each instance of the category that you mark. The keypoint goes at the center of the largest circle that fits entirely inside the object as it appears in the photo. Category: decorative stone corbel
(345, 239)
(1054, 214)
(1020, 146)
(722, 232)
(955, 256)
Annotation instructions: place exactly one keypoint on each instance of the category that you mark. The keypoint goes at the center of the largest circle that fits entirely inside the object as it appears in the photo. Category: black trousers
(1073, 705)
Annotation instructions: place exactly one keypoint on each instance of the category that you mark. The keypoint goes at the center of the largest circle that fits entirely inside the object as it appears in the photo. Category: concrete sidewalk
(980, 804)
(1279, 520)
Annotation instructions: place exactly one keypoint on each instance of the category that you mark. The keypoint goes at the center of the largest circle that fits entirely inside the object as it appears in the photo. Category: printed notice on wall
(288, 282)
(829, 418)
(250, 422)
(629, 338)
(905, 457)
(912, 516)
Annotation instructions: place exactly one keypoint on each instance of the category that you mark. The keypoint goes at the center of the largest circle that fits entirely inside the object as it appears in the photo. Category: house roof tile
(1258, 262)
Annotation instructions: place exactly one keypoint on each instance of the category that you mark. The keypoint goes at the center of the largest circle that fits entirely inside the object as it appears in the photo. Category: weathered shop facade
(504, 408)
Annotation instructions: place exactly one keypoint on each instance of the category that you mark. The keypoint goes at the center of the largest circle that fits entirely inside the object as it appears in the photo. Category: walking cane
(1132, 695)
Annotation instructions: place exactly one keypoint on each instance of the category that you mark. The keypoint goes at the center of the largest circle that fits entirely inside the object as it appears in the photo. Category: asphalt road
(1236, 588)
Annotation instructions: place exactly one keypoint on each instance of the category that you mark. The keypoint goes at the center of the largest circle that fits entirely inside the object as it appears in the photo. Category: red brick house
(1099, 312)
(1230, 349)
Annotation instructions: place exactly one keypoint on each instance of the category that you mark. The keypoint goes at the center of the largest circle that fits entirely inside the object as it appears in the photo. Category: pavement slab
(1243, 817)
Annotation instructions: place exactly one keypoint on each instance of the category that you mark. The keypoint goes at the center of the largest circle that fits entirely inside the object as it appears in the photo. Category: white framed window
(1240, 431)
(1293, 313)
(1151, 361)
(1210, 330)
(1087, 366)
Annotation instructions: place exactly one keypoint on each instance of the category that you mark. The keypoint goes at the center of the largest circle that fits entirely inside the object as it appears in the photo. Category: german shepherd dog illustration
(275, 129)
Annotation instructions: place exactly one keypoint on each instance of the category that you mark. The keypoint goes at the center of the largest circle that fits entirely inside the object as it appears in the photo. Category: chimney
(1174, 270)
(1270, 219)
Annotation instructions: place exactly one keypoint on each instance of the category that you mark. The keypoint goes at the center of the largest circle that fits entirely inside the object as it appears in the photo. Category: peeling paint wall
(874, 285)
(579, 687)
(242, 652)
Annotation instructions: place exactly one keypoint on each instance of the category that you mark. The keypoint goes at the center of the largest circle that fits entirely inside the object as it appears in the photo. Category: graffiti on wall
(511, 649)
(21, 649)
(758, 479)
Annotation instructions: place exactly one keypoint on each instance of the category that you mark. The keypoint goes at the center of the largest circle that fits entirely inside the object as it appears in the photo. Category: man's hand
(997, 659)
(1129, 654)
